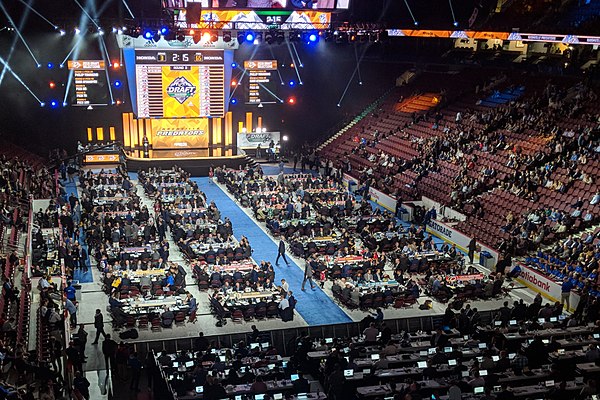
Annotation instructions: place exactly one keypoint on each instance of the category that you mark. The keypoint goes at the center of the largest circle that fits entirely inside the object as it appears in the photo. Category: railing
(281, 338)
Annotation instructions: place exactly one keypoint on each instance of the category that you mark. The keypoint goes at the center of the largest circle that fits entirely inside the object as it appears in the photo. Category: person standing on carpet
(308, 276)
(281, 252)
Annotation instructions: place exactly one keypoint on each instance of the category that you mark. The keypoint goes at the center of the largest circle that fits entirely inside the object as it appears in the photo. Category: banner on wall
(179, 133)
(544, 285)
(251, 140)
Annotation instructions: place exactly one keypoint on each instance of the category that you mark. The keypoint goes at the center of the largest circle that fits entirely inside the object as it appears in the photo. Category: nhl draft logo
(181, 89)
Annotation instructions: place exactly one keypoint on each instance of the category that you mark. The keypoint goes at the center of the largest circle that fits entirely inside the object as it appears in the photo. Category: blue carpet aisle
(78, 274)
(313, 305)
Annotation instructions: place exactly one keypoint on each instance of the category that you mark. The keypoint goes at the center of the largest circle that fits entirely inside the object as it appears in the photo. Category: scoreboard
(89, 83)
(180, 83)
(261, 86)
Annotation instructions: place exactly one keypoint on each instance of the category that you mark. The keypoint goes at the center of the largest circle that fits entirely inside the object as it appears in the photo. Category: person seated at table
(125, 281)
(215, 276)
(268, 285)
(113, 301)
(368, 276)
(145, 281)
(238, 288)
(167, 318)
(168, 282)
(237, 275)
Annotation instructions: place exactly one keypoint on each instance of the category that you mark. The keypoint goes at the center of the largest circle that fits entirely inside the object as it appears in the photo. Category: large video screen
(89, 86)
(179, 83)
(260, 4)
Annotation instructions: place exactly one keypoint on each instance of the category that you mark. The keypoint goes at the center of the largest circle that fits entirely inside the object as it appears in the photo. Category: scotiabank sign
(545, 286)
(539, 281)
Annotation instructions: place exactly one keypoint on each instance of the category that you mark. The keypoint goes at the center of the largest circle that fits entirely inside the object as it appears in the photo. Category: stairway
(355, 120)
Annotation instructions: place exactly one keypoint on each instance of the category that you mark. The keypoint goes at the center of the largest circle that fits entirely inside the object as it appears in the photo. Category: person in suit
(281, 252)
(472, 248)
(308, 276)
(99, 325)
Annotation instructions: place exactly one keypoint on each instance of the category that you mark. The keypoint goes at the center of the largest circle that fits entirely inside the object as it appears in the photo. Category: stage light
(292, 65)
(51, 84)
(250, 37)
(233, 65)
(291, 100)
(39, 65)
(117, 83)
(280, 37)
(54, 104)
(233, 83)
(116, 65)
(269, 37)
(227, 36)
(61, 66)
(180, 38)
(42, 104)
(50, 65)
(285, 138)
(114, 30)
(234, 101)
(119, 31)
(455, 23)
(339, 105)
(416, 23)
(77, 31)
(148, 35)
(62, 32)
(164, 30)
(100, 32)
(214, 36)
(118, 102)
(156, 37)
(241, 37)
(192, 31)
(313, 37)
(64, 103)
(292, 83)
(360, 83)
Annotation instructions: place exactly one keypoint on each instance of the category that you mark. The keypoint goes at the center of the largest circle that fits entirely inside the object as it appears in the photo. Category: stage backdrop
(250, 140)
(179, 133)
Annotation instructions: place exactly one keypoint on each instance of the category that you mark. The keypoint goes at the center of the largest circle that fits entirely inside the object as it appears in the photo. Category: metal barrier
(282, 338)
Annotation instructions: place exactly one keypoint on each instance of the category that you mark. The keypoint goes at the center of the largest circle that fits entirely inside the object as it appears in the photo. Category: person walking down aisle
(99, 325)
(281, 252)
(308, 276)
(109, 349)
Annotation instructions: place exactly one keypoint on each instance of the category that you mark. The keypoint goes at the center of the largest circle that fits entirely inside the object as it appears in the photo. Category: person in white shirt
(595, 199)
(371, 333)
(285, 287)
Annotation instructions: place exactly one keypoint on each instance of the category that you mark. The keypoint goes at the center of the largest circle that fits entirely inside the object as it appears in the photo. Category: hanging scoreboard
(262, 85)
(89, 83)
(180, 83)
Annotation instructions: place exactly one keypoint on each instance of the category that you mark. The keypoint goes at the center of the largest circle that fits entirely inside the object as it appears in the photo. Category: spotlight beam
(352, 77)
(128, 9)
(287, 42)
(38, 14)
(254, 50)
(72, 50)
(278, 72)
(452, 10)
(107, 61)
(410, 11)
(86, 13)
(18, 32)
(77, 48)
(18, 78)
(297, 56)
(14, 43)
(357, 64)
